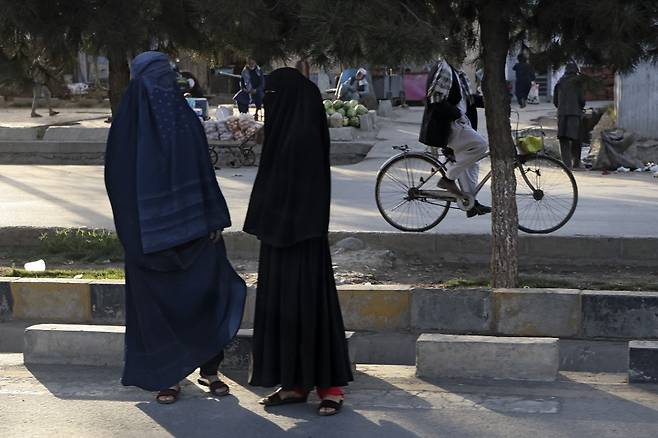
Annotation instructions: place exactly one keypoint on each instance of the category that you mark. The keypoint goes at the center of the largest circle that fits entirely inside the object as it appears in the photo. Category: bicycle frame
(441, 168)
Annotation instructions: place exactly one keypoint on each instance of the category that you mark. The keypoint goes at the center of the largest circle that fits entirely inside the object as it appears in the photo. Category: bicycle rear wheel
(398, 200)
(546, 194)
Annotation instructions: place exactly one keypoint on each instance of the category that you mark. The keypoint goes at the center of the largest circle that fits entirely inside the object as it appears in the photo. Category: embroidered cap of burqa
(291, 195)
(184, 301)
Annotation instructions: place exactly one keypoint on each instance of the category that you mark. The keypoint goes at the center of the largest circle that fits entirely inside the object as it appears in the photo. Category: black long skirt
(299, 336)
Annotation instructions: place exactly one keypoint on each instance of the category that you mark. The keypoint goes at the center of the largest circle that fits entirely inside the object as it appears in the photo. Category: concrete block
(21, 134)
(349, 149)
(385, 108)
(593, 356)
(643, 362)
(463, 248)
(487, 357)
(53, 149)
(639, 249)
(12, 334)
(108, 301)
(366, 123)
(581, 250)
(6, 299)
(378, 308)
(451, 310)
(629, 315)
(52, 152)
(249, 309)
(76, 133)
(55, 300)
(74, 344)
(237, 354)
(372, 115)
(413, 244)
(537, 312)
(241, 245)
(341, 134)
(388, 348)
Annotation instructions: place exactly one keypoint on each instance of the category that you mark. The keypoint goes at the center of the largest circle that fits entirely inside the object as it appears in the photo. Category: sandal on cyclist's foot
(329, 407)
(168, 396)
(275, 398)
(449, 185)
(216, 387)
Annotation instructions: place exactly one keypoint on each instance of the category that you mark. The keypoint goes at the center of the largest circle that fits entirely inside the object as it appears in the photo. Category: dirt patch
(384, 267)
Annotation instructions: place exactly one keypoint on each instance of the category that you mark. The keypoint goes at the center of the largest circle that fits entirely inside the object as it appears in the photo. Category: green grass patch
(81, 245)
(86, 274)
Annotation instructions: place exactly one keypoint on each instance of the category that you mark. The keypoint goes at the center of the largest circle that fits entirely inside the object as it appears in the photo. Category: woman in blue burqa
(184, 301)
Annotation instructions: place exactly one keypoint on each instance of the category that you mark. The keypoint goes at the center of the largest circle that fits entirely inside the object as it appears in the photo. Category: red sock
(332, 390)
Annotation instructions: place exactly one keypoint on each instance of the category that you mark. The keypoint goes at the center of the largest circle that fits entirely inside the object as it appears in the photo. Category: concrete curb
(103, 345)
(563, 313)
(438, 248)
(87, 150)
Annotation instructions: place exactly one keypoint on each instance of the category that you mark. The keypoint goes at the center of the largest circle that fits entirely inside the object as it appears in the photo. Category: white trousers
(469, 146)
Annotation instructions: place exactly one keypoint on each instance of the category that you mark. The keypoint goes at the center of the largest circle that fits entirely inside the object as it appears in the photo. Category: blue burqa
(184, 301)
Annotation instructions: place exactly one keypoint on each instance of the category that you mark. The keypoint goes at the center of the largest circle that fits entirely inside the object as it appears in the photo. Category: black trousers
(570, 151)
(211, 367)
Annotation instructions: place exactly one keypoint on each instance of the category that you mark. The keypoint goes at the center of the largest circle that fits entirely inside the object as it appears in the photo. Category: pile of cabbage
(341, 113)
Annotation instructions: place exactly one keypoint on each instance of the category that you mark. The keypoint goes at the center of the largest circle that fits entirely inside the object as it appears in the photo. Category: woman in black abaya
(299, 337)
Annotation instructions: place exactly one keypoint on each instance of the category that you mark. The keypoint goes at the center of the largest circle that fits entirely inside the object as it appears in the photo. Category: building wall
(636, 100)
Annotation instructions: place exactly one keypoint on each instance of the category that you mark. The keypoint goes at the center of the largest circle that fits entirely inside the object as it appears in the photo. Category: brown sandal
(169, 392)
(216, 388)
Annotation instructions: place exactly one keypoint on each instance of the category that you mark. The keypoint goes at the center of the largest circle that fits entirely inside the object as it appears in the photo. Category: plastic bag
(530, 144)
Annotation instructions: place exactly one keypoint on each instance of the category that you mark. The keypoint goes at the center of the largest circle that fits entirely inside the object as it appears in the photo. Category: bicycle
(546, 190)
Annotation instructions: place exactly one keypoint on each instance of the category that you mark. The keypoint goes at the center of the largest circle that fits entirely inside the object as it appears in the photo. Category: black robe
(299, 336)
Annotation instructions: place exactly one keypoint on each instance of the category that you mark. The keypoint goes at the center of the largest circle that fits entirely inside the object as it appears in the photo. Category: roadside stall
(233, 140)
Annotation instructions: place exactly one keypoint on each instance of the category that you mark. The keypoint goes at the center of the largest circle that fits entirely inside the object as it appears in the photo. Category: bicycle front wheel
(398, 197)
(546, 194)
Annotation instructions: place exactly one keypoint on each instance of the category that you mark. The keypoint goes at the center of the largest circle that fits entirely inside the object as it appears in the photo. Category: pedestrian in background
(40, 74)
(299, 337)
(252, 86)
(569, 99)
(354, 87)
(524, 77)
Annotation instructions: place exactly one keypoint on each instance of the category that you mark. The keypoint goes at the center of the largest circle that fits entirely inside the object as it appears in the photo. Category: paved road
(383, 402)
(612, 205)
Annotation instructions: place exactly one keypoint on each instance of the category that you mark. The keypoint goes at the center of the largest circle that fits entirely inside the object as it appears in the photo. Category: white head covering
(362, 71)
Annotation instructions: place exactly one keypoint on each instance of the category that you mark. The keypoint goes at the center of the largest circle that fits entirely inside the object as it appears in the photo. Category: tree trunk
(119, 76)
(494, 37)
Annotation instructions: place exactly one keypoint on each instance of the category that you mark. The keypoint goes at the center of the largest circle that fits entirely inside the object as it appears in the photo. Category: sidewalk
(20, 117)
(383, 402)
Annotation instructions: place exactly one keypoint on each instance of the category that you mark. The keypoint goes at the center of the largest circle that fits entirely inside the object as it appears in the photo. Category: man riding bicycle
(449, 103)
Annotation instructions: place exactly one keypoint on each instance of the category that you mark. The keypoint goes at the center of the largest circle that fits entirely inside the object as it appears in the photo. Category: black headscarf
(291, 195)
